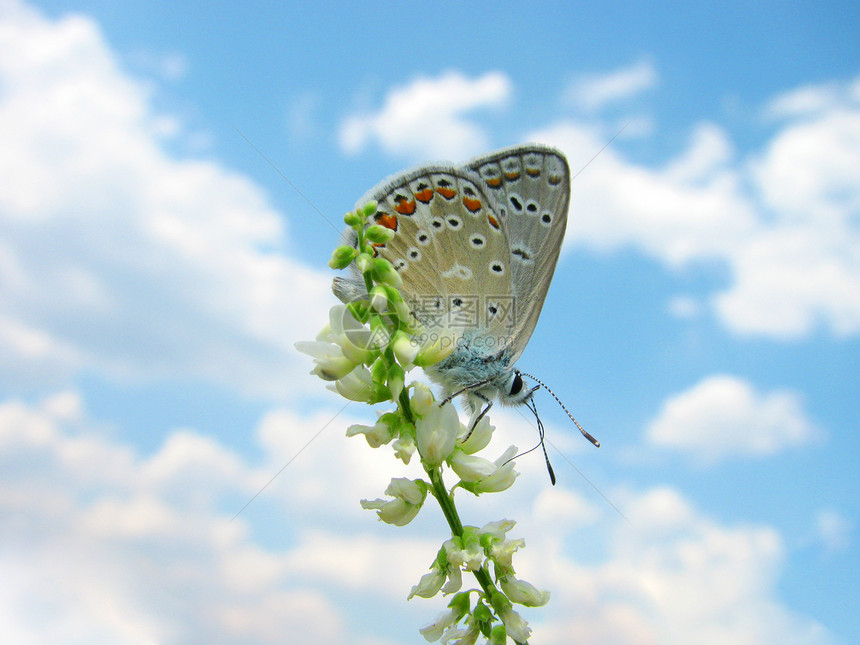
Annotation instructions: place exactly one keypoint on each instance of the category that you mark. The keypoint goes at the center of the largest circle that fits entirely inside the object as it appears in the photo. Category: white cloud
(725, 416)
(301, 118)
(804, 101)
(111, 546)
(117, 257)
(108, 545)
(596, 91)
(833, 530)
(428, 117)
(783, 221)
(677, 215)
(671, 576)
(684, 307)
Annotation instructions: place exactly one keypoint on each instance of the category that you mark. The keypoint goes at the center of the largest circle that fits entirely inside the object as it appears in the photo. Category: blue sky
(155, 271)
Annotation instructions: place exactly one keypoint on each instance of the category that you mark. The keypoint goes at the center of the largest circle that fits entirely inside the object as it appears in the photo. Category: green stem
(446, 502)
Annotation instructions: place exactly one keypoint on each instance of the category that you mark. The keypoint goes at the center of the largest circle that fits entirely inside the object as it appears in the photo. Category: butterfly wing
(450, 249)
(530, 186)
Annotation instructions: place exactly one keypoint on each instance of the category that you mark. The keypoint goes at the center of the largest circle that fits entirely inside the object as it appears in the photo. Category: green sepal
(460, 604)
(359, 310)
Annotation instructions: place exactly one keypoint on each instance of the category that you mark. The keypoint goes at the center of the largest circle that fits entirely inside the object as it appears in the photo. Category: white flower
(408, 497)
(429, 584)
(455, 580)
(405, 348)
(502, 553)
(479, 437)
(433, 631)
(523, 593)
(436, 434)
(404, 447)
(464, 635)
(357, 385)
(376, 435)
(517, 628)
(504, 476)
(470, 468)
(422, 398)
(330, 363)
(379, 299)
(356, 340)
(470, 555)
(497, 529)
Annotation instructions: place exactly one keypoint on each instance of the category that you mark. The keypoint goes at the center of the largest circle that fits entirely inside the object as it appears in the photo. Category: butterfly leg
(480, 415)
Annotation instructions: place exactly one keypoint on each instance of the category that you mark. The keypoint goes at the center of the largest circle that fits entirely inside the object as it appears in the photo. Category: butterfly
(476, 247)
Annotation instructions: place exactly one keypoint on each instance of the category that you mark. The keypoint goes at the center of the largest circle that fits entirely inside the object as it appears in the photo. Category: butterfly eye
(517, 384)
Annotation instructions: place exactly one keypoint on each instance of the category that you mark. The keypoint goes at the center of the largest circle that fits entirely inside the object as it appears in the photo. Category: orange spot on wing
(513, 176)
(472, 204)
(387, 220)
(425, 195)
(447, 193)
(533, 172)
(404, 206)
(493, 221)
(494, 182)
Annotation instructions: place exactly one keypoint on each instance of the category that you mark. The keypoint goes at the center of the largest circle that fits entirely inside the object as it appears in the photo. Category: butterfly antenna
(541, 434)
(558, 400)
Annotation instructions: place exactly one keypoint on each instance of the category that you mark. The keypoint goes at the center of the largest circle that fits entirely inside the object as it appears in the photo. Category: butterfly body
(483, 377)
(476, 247)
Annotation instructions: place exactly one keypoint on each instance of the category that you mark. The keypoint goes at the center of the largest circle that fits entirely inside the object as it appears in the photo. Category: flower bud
(405, 348)
(379, 299)
(354, 218)
(395, 379)
(384, 272)
(369, 208)
(342, 257)
(378, 234)
(436, 348)
(364, 262)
